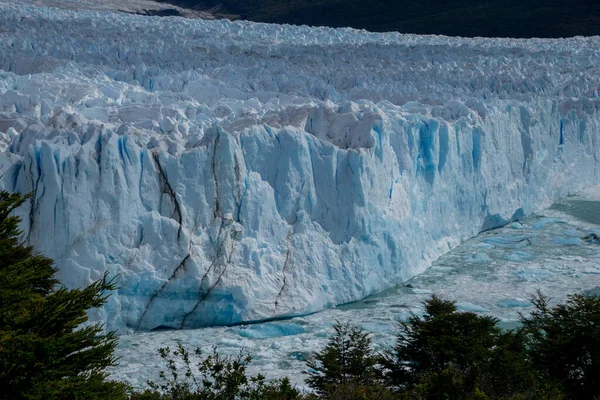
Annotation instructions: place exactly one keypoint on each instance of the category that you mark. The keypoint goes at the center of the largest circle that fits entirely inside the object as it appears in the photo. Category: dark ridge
(165, 12)
(469, 18)
(162, 328)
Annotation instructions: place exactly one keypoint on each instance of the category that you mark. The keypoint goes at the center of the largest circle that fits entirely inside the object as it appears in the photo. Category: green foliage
(44, 353)
(564, 343)
(215, 377)
(351, 391)
(444, 342)
(448, 354)
(347, 367)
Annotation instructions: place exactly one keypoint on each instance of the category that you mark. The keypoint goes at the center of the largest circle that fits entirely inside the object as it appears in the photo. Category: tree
(450, 344)
(45, 351)
(447, 354)
(564, 343)
(347, 367)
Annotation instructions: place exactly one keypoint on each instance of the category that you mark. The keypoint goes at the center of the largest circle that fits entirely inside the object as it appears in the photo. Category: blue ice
(541, 224)
(519, 256)
(480, 258)
(562, 241)
(513, 303)
(264, 331)
(510, 242)
(470, 307)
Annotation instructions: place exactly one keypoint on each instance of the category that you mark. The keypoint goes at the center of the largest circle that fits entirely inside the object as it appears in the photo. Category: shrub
(215, 377)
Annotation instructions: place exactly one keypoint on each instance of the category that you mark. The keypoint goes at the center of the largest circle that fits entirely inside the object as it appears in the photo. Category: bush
(45, 353)
(564, 343)
(214, 377)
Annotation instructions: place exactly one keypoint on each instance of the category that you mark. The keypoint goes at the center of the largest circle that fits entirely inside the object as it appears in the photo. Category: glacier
(231, 172)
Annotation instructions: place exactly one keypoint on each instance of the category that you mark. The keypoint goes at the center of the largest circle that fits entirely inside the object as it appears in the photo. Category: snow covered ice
(234, 172)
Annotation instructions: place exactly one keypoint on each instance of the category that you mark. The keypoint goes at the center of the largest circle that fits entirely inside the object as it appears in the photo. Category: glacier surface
(234, 171)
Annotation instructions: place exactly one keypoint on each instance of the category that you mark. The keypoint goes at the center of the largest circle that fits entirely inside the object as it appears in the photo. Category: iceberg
(230, 172)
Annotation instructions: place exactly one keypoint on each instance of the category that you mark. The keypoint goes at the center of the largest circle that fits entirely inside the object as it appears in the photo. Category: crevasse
(232, 172)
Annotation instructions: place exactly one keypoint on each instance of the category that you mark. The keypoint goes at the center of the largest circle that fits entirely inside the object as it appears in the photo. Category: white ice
(231, 172)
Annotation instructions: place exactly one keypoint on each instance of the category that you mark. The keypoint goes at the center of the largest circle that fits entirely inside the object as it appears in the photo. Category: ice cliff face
(233, 171)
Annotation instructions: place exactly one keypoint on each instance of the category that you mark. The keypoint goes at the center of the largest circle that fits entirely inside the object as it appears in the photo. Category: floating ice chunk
(516, 225)
(421, 291)
(590, 270)
(573, 258)
(572, 232)
(480, 257)
(519, 256)
(510, 242)
(404, 316)
(236, 343)
(270, 330)
(513, 303)
(374, 327)
(470, 307)
(541, 224)
(570, 241)
(533, 275)
(300, 355)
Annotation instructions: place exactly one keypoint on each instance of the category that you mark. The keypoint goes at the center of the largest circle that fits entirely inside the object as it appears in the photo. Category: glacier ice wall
(235, 172)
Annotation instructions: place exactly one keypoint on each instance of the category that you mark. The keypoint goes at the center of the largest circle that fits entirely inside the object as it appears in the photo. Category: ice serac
(233, 172)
